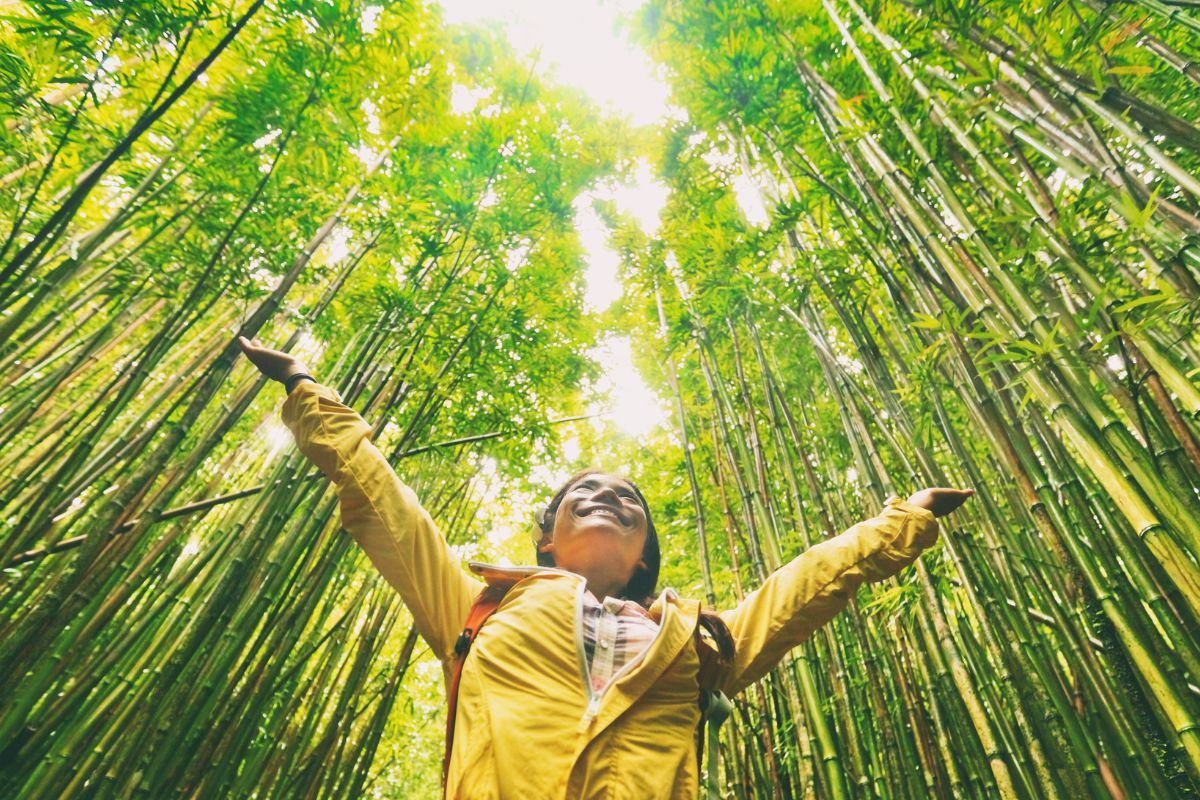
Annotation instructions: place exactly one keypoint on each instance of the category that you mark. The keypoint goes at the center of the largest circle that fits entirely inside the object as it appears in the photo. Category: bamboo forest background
(980, 266)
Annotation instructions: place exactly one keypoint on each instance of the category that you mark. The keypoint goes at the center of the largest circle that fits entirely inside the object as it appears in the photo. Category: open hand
(941, 501)
(275, 364)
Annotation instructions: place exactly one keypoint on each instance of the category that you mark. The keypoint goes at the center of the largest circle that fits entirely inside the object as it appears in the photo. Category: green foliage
(980, 266)
(314, 187)
(945, 270)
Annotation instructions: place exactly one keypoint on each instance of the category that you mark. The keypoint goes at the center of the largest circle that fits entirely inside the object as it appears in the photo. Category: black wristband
(289, 382)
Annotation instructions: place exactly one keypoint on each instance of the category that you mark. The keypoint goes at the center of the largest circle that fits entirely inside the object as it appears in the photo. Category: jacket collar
(496, 575)
(499, 576)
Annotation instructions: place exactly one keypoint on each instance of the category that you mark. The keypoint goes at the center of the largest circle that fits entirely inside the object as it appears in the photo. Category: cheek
(636, 546)
(563, 516)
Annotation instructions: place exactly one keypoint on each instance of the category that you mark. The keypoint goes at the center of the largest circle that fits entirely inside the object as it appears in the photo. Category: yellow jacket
(528, 725)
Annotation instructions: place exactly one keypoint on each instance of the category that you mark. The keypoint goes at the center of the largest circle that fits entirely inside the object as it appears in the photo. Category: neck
(603, 587)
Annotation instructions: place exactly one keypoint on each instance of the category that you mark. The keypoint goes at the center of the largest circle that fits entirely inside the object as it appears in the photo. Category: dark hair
(642, 587)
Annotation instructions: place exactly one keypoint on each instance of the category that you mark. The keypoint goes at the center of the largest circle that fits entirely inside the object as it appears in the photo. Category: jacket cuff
(926, 523)
(290, 409)
(911, 508)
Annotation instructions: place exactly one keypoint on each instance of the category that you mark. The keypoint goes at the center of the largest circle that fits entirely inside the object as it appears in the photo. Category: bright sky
(580, 45)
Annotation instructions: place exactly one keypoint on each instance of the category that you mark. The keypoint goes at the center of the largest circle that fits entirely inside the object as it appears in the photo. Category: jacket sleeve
(383, 515)
(807, 592)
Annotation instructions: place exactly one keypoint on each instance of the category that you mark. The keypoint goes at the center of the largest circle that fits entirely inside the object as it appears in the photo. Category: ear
(546, 543)
(641, 564)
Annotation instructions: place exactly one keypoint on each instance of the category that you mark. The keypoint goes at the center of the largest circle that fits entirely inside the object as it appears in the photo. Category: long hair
(642, 587)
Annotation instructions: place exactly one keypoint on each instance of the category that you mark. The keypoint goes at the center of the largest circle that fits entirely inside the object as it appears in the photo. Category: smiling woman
(582, 668)
(599, 525)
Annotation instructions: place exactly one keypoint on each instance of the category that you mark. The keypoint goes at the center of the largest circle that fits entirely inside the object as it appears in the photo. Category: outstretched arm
(807, 592)
(378, 510)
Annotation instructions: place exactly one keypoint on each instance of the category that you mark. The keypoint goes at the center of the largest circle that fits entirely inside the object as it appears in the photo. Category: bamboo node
(1146, 529)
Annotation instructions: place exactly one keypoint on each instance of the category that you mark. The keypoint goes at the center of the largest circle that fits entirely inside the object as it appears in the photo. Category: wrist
(292, 368)
(909, 506)
(295, 378)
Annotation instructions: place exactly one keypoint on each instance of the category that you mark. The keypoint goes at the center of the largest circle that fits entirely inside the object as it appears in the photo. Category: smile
(603, 511)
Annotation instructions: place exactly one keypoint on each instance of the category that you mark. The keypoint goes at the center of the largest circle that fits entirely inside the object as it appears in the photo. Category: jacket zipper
(594, 697)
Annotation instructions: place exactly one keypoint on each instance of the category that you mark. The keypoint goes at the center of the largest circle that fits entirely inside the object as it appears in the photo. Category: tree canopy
(905, 244)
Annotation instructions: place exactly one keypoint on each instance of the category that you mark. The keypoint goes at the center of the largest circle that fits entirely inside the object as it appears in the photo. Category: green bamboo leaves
(980, 268)
(180, 613)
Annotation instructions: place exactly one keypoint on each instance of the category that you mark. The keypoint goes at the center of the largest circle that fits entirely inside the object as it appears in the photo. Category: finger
(958, 497)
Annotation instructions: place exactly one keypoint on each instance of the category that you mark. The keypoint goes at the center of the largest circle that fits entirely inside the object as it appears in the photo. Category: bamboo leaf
(1154, 298)
(1119, 36)
(1130, 69)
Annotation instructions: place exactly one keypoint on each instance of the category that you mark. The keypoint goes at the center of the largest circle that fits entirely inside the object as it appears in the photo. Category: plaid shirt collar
(615, 632)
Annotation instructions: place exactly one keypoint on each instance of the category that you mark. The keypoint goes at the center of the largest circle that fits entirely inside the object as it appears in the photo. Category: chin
(599, 544)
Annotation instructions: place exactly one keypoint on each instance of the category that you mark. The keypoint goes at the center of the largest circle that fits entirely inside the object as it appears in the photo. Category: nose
(606, 494)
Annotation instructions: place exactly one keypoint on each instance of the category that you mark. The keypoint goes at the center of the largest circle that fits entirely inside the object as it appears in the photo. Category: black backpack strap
(715, 708)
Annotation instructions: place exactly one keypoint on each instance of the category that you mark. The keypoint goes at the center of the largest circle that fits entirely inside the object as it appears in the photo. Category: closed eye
(623, 493)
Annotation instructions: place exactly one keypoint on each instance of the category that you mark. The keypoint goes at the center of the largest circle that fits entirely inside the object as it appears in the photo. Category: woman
(582, 684)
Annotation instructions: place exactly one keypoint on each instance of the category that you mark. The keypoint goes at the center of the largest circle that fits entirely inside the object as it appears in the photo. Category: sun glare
(632, 407)
(579, 44)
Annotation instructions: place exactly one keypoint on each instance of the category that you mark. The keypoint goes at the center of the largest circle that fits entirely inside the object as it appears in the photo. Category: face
(599, 530)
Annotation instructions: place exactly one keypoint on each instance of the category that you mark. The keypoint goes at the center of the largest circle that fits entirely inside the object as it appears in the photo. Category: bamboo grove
(980, 266)
(180, 614)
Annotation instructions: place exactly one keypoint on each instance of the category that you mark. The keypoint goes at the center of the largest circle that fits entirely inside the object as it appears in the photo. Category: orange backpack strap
(484, 606)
